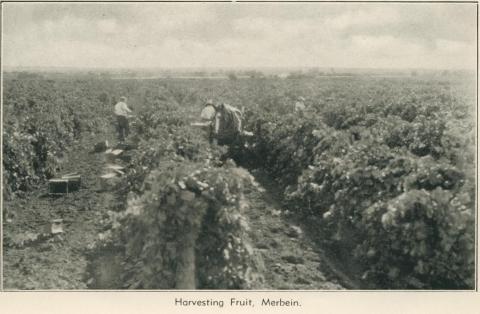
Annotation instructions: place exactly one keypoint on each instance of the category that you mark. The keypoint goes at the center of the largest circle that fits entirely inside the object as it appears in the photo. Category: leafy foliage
(183, 201)
(43, 117)
(177, 195)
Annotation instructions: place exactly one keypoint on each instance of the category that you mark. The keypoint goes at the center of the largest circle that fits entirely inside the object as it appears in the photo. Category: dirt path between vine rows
(286, 257)
(32, 259)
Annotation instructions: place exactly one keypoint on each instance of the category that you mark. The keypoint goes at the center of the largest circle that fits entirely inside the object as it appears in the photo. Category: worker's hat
(210, 102)
(301, 98)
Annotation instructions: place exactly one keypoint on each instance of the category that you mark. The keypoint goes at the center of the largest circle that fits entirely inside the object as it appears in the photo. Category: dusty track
(56, 262)
(290, 259)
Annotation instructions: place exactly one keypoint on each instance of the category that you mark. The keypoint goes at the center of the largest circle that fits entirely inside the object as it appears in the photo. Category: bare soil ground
(291, 260)
(55, 261)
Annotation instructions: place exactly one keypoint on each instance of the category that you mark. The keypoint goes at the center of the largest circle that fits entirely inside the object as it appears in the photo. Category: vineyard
(372, 187)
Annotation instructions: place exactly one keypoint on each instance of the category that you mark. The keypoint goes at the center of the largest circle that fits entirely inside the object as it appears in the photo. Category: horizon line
(10, 67)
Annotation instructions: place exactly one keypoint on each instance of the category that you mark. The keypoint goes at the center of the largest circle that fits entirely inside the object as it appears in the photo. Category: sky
(148, 35)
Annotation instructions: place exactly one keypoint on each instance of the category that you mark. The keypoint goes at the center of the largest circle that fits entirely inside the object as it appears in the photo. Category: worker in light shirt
(300, 105)
(122, 112)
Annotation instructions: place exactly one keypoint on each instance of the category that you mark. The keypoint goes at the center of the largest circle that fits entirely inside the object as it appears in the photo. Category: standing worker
(208, 114)
(300, 105)
(225, 127)
(122, 112)
(225, 122)
(228, 124)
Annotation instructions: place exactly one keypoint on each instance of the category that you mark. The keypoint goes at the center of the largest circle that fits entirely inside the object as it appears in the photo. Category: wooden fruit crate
(64, 185)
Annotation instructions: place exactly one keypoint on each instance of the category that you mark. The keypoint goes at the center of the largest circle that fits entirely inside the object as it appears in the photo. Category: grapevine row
(388, 186)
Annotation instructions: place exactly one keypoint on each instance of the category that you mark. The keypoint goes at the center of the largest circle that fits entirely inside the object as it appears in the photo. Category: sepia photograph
(263, 146)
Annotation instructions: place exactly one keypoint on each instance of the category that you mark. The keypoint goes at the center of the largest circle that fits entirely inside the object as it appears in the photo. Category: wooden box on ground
(64, 185)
